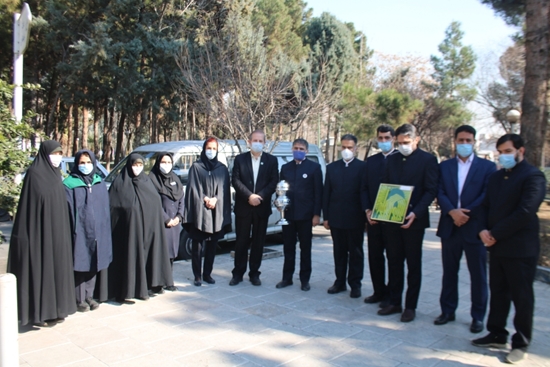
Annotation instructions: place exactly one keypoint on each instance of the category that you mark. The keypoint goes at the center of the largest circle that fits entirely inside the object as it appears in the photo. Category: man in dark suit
(254, 178)
(343, 215)
(509, 227)
(462, 185)
(376, 167)
(412, 167)
(305, 181)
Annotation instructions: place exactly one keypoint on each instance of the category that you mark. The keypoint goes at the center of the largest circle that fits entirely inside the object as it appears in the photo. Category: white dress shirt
(463, 169)
(255, 167)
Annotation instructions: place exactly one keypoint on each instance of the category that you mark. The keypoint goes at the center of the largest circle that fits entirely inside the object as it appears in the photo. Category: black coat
(140, 256)
(375, 171)
(509, 210)
(420, 170)
(243, 182)
(40, 254)
(342, 195)
(212, 183)
(305, 189)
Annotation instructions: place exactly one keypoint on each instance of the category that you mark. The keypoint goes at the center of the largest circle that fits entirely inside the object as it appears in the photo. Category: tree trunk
(96, 127)
(69, 126)
(84, 143)
(327, 141)
(76, 128)
(108, 136)
(120, 137)
(534, 118)
(336, 139)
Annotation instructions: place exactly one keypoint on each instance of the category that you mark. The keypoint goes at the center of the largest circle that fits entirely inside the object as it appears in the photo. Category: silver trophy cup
(282, 201)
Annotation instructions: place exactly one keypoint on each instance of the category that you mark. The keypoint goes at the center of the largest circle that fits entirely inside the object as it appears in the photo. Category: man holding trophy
(300, 207)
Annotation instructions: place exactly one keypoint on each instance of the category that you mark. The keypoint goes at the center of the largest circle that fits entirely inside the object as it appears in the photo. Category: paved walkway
(219, 325)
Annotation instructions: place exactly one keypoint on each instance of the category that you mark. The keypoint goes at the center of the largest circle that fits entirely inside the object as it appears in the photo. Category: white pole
(9, 345)
(17, 70)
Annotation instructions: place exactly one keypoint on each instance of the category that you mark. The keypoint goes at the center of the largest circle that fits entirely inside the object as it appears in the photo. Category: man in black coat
(254, 178)
(305, 181)
(412, 167)
(343, 215)
(376, 167)
(509, 227)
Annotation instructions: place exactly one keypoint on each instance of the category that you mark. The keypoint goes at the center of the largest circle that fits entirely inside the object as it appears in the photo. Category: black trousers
(476, 258)
(511, 280)
(404, 245)
(377, 260)
(297, 230)
(209, 256)
(348, 249)
(243, 226)
(84, 285)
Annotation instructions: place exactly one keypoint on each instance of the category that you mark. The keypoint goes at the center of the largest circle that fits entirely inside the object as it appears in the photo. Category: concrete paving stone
(415, 355)
(129, 320)
(56, 356)
(241, 301)
(539, 351)
(178, 317)
(201, 329)
(454, 361)
(238, 341)
(218, 293)
(267, 355)
(119, 351)
(496, 358)
(377, 324)
(322, 348)
(333, 330)
(178, 346)
(417, 333)
(298, 320)
(251, 324)
(38, 339)
(222, 314)
(309, 305)
(284, 336)
(94, 337)
(358, 357)
(345, 301)
(283, 298)
(150, 333)
(458, 347)
(307, 361)
(157, 306)
(211, 358)
(92, 362)
(367, 340)
(201, 303)
(267, 310)
(342, 315)
(540, 337)
(108, 309)
(150, 360)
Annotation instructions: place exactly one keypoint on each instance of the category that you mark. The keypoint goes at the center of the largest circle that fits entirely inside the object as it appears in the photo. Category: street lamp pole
(513, 117)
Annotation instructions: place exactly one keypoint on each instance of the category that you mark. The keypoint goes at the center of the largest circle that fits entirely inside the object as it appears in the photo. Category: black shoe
(390, 310)
(491, 340)
(385, 303)
(284, 283)
(235, 281)
(93, 304)
(255, 281)
(158, 290)
(150, 293)
(305, 286)
(408, 315)
(355, 293)
(171, 288)
(208, 279)
(373, 299)
(476, 326)
(337, 289)
(123, 301)
(444, 318)
(82, 307)
(42, 324)
(197, 282)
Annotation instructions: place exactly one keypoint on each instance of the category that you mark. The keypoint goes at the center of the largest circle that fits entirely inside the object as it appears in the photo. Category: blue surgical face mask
(257, 147)
(385, 146)
(86, 168)
(464, 150)
(299, 155)
(507, 161)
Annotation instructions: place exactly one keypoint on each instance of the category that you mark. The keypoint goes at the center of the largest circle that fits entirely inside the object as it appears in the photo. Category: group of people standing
(75, 242)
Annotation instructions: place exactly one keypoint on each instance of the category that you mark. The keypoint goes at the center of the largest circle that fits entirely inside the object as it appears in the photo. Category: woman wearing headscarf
(171, 192)
(40, 254)
(91, 229)
(140, 258)
(207, 213)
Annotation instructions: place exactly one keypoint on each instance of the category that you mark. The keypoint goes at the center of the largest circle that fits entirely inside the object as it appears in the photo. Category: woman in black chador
(40, 253)
(207, 213)
(141, 263)
(171, 192)
(91, 230)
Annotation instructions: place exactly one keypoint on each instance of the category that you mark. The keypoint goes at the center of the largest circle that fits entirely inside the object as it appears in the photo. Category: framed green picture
(391, 203)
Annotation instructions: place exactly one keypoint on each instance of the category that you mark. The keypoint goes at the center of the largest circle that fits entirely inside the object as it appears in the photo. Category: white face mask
(165, 168)
(137, 170)
(347, 154)
(256, 147)
(56, 159)
(405, 149)
(210, 153)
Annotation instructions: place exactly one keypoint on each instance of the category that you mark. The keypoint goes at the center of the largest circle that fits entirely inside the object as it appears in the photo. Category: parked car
(188, 151)
(66, 166)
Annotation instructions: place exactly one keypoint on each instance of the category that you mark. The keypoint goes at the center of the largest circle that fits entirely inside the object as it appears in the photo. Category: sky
(418, 26)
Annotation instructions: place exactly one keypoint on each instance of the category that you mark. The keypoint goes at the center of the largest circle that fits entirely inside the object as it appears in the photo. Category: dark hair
(301, 141)
(210, 139)
(516, 140)
(257, 131)
(349, 137)
(406, 129)
(465, 128)
(385, 129)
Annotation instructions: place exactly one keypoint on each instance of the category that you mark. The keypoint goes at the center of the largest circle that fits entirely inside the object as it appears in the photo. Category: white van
(188, 151)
